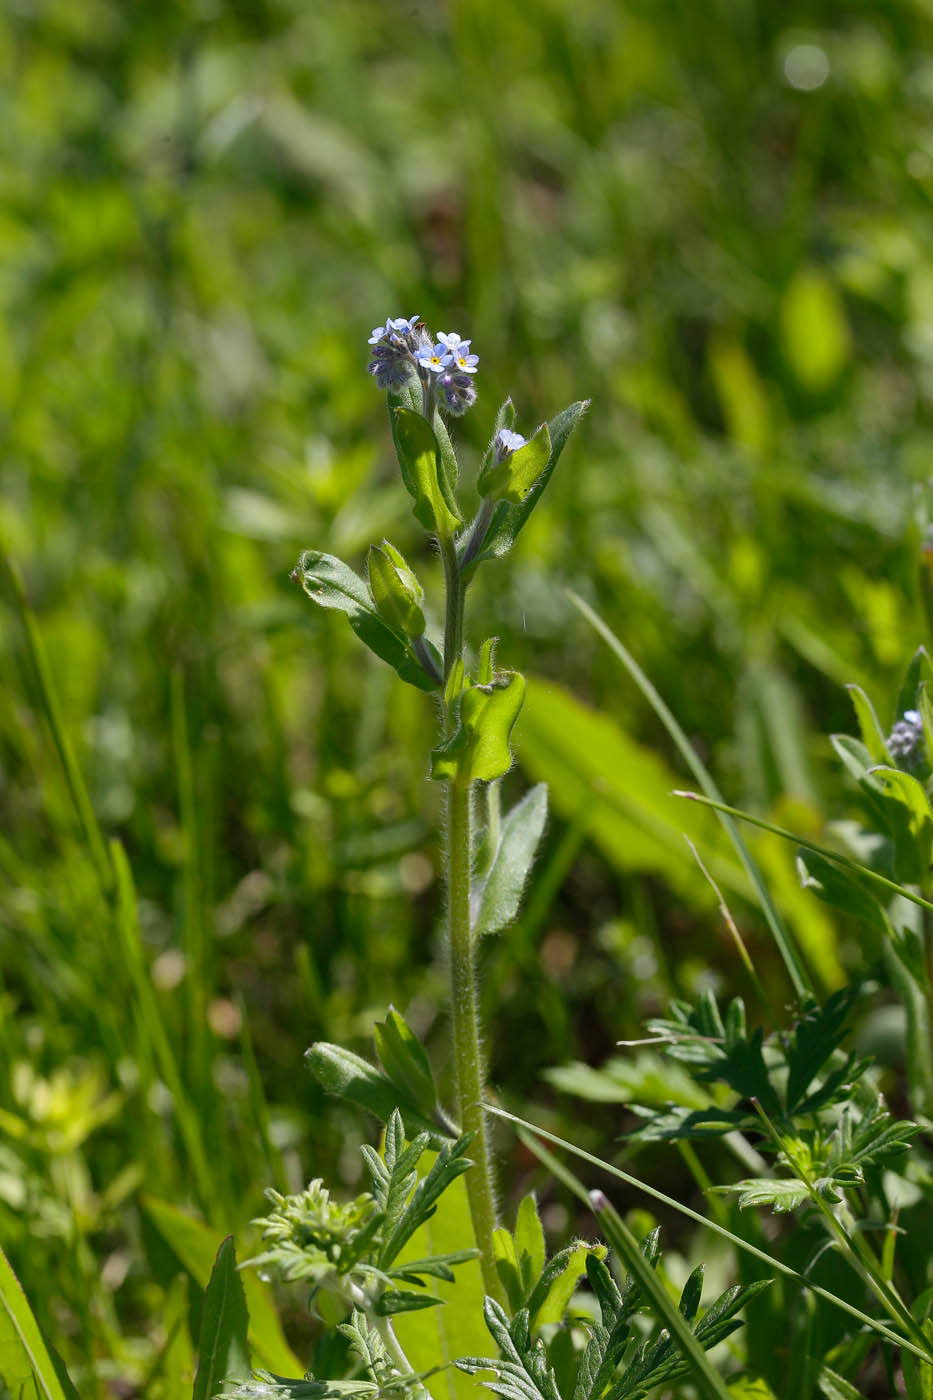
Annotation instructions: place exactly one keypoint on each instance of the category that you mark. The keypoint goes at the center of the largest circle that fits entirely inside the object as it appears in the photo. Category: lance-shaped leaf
(919, 673)
(223, 1351)
(479, 747)
(872, 734)
(508, 519)
(836, 887)
(353, 1078)
(331, 583)
(910, 821)
(424, 471)
(405, 1061)
(497, 897)
(29, 1366)
(513, 477)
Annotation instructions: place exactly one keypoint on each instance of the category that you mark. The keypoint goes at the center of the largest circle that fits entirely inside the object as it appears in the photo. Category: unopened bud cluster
(905, 742)
(404, 352)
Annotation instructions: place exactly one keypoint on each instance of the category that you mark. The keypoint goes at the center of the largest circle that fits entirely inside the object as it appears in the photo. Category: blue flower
(435, 358)
(397, 328)
(457, 392)
(459, 350)
(507, 442)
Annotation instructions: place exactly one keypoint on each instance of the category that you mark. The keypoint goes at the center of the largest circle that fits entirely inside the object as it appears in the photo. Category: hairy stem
(463, 999)
(465, 1012)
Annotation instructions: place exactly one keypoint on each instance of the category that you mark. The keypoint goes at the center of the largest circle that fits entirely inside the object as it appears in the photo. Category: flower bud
(514, 465)
(396, 592)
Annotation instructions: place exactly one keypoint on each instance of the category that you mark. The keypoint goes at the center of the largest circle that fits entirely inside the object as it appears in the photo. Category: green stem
(456, 594)
(467, 1051)
(468, 1057)
(401, 1362)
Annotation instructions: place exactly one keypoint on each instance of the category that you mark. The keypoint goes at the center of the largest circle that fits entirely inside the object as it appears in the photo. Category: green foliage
(26, 1360)
(616, 1363)
(352, 1249)
(478, 749)
(332, 584)
(424, 473)
(223, 1350)
(496, 895)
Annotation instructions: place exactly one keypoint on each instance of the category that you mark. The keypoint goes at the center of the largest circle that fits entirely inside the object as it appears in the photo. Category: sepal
(398, 595)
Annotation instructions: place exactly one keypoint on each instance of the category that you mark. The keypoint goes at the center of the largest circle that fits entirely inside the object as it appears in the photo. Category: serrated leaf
(223, 1351)
(678, 1124)
(332, 584)
(438, 1335)
(817, 1034)
(497, 897)
(479, 747)
(781, 1194)
(508, 520)
(267, 1386)
(425, 471)
(449, 1163)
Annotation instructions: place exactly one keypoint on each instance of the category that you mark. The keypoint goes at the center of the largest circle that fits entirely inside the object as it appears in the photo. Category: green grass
(203, 215)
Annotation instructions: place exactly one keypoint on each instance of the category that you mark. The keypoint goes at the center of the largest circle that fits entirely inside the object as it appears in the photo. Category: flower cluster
(905, 742)
(311, 1236)
(404, 352)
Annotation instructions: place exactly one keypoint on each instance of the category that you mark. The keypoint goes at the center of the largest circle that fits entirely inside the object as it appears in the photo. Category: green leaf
(496, 898)
(919, 673)
(873, 735)
(398, 1300)
(438, 1335)
(508, 520)
(620, 792)
(479, 748)
(818, 1033)
(512, 479)
(355, 1079)
(558, 1282)
(836, 1387)
(331, 583)
(781, 1194)
(425, 471)
(841, 891)
(223, 1351)
(910, 821)
(405, 1062)
(266, 1386)
(196, 1245)
(25, 1356)
(529, 1242)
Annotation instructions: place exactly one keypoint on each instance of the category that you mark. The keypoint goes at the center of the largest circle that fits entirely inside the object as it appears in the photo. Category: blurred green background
(712, 220)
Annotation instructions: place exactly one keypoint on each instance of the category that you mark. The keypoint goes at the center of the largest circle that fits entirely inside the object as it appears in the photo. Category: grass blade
(795, 967)
(53, 713)
(530, 1132)
(837, 856)
(24, 1356)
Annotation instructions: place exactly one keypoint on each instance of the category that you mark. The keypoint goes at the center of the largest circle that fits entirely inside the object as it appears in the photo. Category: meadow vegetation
(218, 842)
